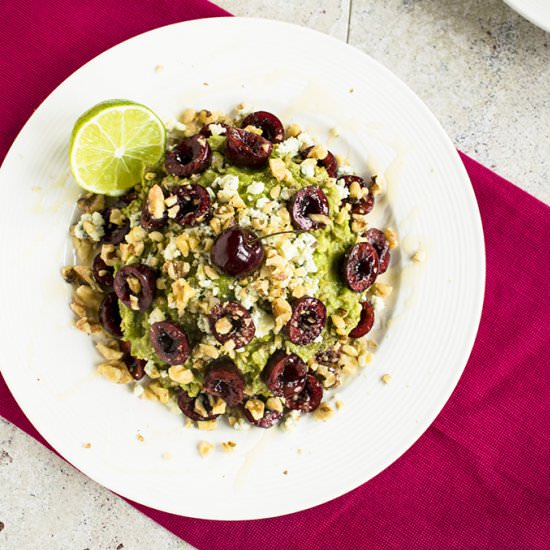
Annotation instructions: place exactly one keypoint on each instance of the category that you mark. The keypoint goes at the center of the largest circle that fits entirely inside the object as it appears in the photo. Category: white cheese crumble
(138, 390)
(156, 316)
(342, 189)
(95, 224)
(307, 170)
(241, 425)
(345, 170)
(216, 129)
(171, 251)
(289, 146)
(305, 140)
(288, 250)
(263, 322)
(202, 323)
(378, 303)
(289, 423)
(135, 219)
(149, 367)
(174, 124)
(255, 188)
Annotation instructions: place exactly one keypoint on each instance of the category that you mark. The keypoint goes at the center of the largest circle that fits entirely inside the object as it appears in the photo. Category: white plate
(321, 83)
(536, 11)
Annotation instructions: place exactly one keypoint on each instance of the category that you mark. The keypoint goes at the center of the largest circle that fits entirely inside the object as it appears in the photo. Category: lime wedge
(112, 142)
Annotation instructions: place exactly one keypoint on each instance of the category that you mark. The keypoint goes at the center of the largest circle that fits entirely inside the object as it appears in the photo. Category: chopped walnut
(228, 446)
(318, 152)
(419, 256)
(274, 404)
(256, 408)
(155, 202)
(386, 378)
(279, 170)
(293, 130)
(391, 236)
(207, 425)
(323, 412)
(115, 371)
(205, 448)
(109, 352)
(180, 374)
(382, 290)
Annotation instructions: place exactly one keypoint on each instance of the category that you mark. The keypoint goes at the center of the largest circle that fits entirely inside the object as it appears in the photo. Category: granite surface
(482, 69)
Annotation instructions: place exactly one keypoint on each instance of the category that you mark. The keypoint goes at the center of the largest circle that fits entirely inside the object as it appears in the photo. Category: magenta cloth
(478, 478)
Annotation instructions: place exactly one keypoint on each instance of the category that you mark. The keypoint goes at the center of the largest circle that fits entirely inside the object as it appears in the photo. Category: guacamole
(234, 287)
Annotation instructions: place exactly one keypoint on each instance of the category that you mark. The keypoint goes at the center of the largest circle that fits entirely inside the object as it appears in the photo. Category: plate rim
(469, 338)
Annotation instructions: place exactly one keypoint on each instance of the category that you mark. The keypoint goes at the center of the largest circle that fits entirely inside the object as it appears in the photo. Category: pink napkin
(478, 478)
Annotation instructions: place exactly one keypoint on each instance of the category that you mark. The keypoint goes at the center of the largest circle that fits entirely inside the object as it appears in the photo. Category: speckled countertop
(485, 73)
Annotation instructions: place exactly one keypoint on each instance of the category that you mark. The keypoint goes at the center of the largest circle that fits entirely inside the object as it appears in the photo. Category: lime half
(112, 142)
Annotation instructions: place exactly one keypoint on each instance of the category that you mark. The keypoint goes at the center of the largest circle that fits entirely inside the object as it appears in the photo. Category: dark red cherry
(135, 366)
(237, 251)
(113, 233)
(147, 280)
(191, 155)
(378, 240)
(360, 267)
(305, 202)
(269, 419)
(308, 319)
(328, 163)
(187, 405)
(223, 379)
(109, 315)
(193, 202)
(271, 126)
(103, 273)
(285, 374)
(152, 224)
(169, 342)
(309, 398)
(244, 148)
(359, 206)
(365, 321)
(231, 321)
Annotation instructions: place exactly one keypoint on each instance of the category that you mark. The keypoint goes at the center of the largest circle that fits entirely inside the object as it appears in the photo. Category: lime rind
(111, 144)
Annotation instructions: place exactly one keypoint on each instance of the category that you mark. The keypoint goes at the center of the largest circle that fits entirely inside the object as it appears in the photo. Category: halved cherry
(169, 342)
(114, 233)
(135, 366)
(366, 320)
(309, 398)
(328, 163)
(223, 379)
(269, 419)
(271, 126)
(305, 202)
(146, 278)
(378, 240)
(360, 267)
(285, 374)
(244, 148)
(191, 155)
(231, 321)
(308, 319)
(109, 315)
(363, 205)
(190, 408)
(103, 273)
(193, 202)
